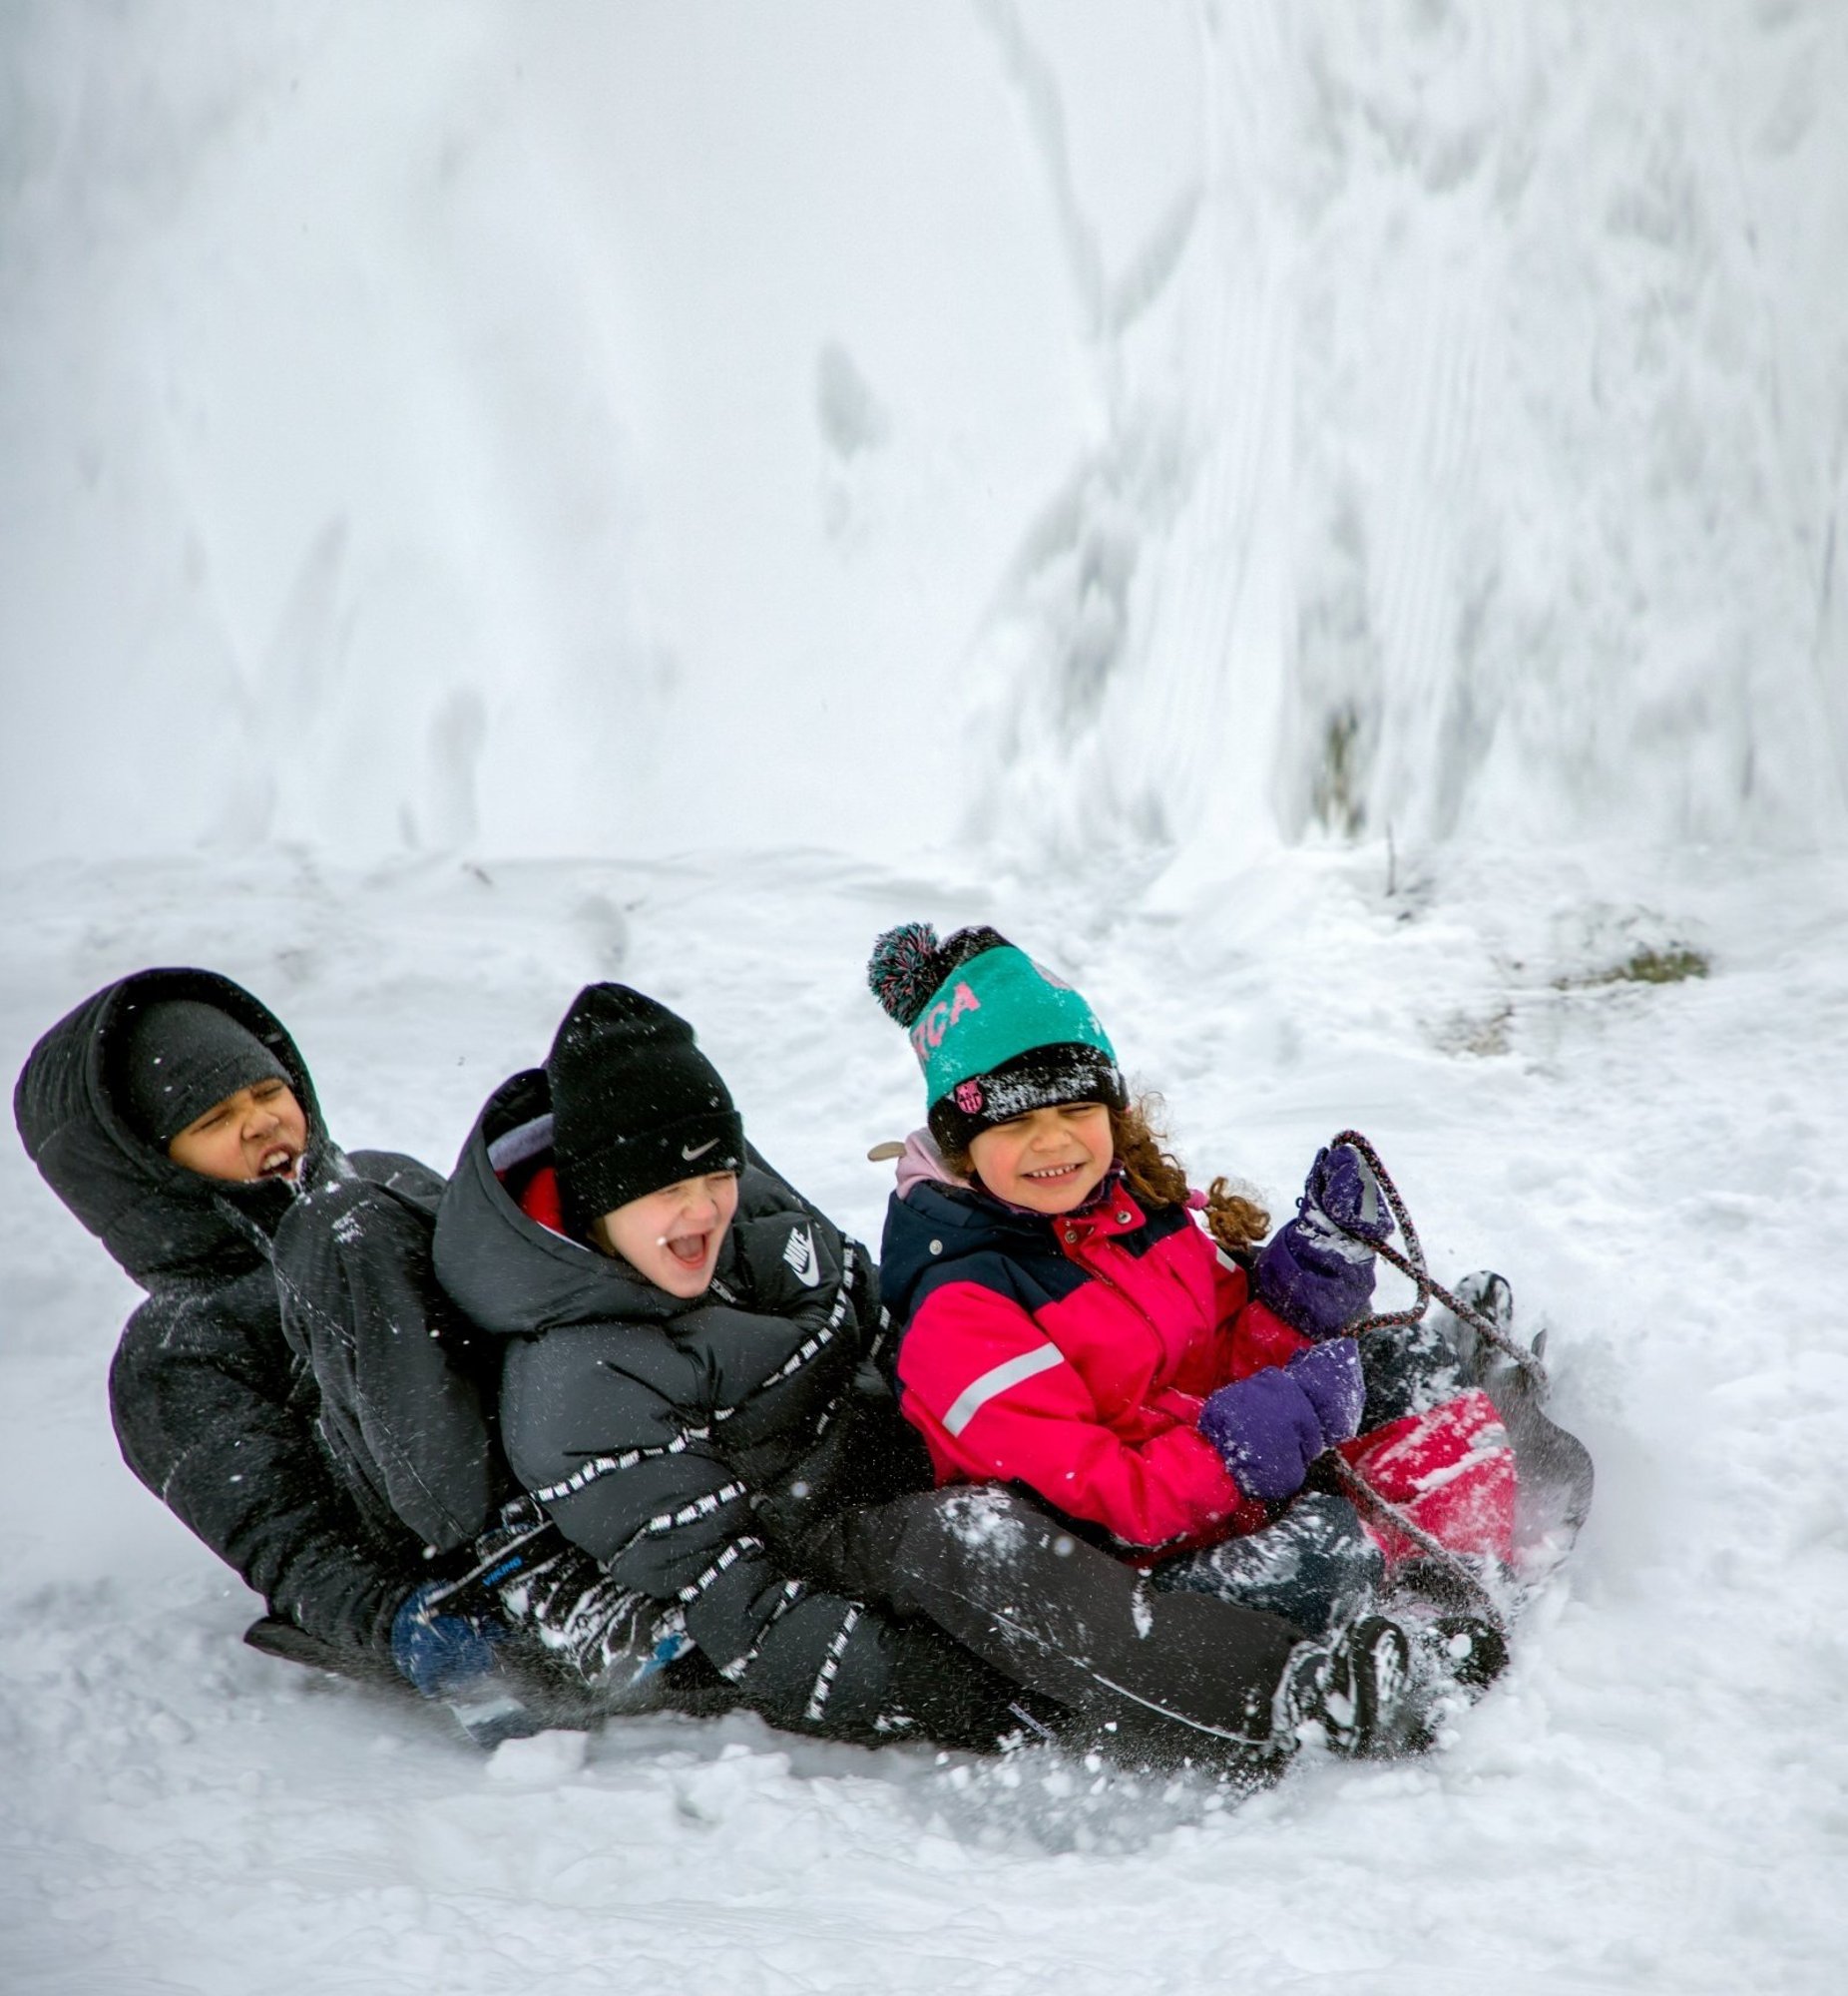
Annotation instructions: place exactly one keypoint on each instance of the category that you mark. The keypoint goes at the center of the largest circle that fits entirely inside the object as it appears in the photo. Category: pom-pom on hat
(635, 1105)
(995, 1033)
(181, 1057)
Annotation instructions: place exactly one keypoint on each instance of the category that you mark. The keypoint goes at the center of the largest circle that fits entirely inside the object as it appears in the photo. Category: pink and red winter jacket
(1073, 1355)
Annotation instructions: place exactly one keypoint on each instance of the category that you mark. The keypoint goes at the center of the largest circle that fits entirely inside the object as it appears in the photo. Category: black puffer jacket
(323, 1500)
(693, 1447)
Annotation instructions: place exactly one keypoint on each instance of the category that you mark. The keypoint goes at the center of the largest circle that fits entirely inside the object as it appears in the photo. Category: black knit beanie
(635, 1105)
(181, 1056)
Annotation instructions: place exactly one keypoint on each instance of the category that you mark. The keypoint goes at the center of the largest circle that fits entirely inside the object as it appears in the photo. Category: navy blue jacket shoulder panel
(941, 1233)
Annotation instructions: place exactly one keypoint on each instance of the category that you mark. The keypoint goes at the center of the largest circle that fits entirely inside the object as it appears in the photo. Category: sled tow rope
(1412, 1263)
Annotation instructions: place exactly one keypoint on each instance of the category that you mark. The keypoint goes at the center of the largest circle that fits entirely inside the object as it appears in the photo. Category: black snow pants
(1144, 1674)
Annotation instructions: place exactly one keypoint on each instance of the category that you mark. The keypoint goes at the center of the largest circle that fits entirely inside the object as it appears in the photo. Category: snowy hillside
(1650, 1801)
(1320, 519)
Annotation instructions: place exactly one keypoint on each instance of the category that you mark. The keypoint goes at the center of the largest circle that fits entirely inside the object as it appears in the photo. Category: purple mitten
(1329, 1375)
(1342, 1184)
(1317, 1278)
(1268, 1432)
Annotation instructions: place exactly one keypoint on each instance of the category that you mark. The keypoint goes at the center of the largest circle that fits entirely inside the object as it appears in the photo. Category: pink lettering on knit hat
(920, 1034)
(930, 1029)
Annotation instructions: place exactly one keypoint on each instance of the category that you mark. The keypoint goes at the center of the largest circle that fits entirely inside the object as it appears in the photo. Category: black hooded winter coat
(284, 1389)
(694, 1446)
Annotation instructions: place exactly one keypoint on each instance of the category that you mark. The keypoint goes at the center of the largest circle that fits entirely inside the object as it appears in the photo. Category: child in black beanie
(682, 1386)
(172, 1114)
(646, 1145)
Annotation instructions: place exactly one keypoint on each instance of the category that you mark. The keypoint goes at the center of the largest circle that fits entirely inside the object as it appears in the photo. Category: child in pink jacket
(1071, 1326)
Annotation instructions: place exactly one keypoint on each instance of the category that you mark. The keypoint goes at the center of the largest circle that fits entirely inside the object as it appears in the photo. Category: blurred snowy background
(1324, 517)
(572, 428)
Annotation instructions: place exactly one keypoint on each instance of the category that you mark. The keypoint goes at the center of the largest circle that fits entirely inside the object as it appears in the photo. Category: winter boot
(1411, 1369)
(1489, 1296)
(1424, 1586)
(1358, 1690)
(586, 1648)
(1461, 1653)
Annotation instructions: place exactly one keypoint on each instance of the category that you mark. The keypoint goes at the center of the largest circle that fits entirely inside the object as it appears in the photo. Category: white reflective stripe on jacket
(1010, 1372)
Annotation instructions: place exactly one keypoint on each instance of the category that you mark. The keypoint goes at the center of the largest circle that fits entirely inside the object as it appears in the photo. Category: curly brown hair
(1158, 1178)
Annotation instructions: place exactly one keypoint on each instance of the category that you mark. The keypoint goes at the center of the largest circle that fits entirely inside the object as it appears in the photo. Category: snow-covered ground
(1323, 517)
(1653, 1798)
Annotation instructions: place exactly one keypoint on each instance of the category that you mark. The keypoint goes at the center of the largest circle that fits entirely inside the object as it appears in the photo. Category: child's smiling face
(259, 1133)
(1049, 1160)
(672, 1237)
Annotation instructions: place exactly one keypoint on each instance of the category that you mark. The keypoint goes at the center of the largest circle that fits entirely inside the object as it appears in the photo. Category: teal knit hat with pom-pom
(996, 1035)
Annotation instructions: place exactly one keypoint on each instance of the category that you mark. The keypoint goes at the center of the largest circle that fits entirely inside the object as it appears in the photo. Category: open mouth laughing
(689, 1250)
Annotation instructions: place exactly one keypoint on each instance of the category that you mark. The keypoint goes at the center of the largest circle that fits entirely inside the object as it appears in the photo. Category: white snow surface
(1320, 518)
(1651, 1800)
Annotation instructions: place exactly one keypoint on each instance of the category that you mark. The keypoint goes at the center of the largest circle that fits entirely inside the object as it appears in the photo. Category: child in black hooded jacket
(215, 1401)
(684, 1385)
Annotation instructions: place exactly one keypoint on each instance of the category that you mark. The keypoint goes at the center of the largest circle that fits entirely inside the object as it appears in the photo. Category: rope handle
(1412, 1263)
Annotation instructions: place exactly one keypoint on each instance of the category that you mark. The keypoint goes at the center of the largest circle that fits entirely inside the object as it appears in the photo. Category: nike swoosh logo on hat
(691, 1151)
